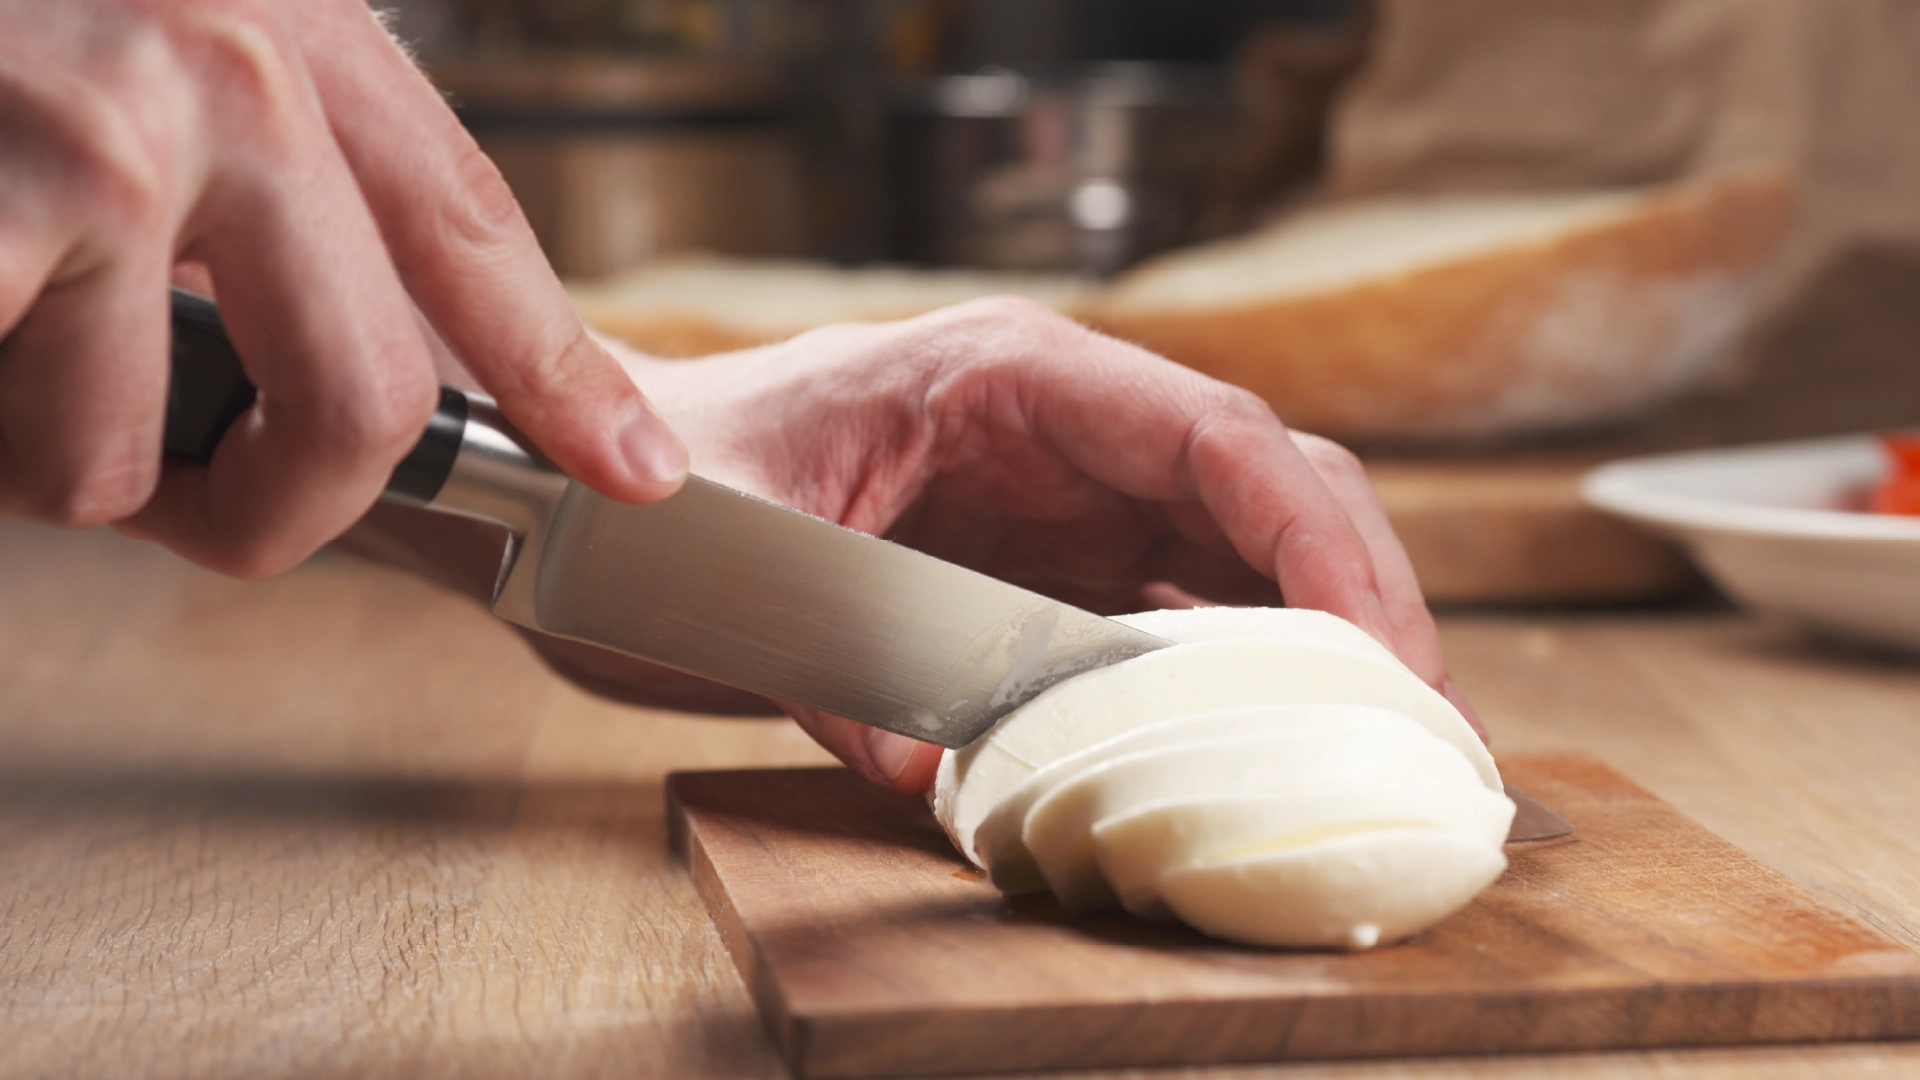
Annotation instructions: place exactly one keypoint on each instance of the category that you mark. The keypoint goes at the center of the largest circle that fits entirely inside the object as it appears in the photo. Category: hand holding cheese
(1277, 777)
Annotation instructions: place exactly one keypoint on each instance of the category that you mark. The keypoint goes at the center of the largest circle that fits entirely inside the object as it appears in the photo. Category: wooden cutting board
(871, 948)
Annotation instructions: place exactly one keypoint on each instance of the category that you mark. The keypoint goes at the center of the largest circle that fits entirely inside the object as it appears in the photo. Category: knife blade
(1532, 820)
(710, 581)
(720, 584)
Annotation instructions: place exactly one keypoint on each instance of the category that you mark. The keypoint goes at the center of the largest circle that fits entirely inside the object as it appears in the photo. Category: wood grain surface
(873, 949)
(341, 825)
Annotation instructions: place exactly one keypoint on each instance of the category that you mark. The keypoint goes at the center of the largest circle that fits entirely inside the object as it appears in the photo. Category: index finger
(470, 261)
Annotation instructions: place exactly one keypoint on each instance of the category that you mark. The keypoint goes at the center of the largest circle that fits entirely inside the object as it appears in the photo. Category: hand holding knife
(717, 583)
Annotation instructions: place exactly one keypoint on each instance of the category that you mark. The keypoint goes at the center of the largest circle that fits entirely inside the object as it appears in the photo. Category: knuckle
(106, 112)
(558, 364)
(879, 352)
(1018, 314)
(387, 422)
(247, 67)
(131, 192)
(1224, 415)
(992, 334)
(95, 494)
(120, 175)
(841, 338)
(255, 559)
(410, 398)
(1243, 406)
(106, 148)
(488, 198)
(1006, 306)
(482, 211)
(270, 560)
(373, 418)
(1330, 457)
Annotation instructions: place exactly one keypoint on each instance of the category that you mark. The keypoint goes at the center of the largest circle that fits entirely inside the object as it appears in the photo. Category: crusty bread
(693, 305)
(1444, 316)
(1465, 316)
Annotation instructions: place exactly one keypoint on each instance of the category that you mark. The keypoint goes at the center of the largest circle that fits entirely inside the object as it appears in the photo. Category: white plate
(1781, 529)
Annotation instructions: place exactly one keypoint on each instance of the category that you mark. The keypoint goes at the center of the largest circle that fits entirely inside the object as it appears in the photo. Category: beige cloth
(1479, 95)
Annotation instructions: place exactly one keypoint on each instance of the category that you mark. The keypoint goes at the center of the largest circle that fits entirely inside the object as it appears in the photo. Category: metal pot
(618, 160)
(1086, 171)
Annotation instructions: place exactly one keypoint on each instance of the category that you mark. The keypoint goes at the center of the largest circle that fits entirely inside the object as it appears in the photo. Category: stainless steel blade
(731, 588)
(1532, 820)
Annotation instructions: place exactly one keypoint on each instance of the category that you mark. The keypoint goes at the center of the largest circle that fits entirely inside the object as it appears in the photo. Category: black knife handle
(209, 390)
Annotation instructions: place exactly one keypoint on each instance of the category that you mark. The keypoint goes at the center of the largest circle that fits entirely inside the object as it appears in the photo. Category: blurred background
(1055, 135)
(1488, 242)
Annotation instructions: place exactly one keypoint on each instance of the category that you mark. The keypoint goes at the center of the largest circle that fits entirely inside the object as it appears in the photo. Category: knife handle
(469, 460)
(209, 391)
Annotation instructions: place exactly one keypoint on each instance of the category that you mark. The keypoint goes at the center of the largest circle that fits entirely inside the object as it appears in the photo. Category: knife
(710, 581)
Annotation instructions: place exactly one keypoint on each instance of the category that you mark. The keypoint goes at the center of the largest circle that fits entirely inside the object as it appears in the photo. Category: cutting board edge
(842, 1047)
(776, 1014)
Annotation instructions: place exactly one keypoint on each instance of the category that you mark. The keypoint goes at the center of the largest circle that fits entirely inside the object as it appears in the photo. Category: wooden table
(339, 824)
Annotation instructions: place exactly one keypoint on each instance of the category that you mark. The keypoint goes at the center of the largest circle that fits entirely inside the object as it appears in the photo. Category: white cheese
(1275, 759)
(997, 842)
(1135, 849)
(1351, 892)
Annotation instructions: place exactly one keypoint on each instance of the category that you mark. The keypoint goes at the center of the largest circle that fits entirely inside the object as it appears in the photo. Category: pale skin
(290, 158)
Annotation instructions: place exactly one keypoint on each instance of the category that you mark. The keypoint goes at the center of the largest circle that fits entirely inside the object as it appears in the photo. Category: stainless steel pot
(618, 160)
(1084, 171)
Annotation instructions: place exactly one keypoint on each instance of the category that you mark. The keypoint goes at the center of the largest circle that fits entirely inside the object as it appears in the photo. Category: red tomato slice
(1897, 496)
(1904, 448)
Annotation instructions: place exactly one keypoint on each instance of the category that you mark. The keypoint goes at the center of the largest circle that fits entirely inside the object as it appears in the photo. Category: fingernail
(890, 752)
(654, 453)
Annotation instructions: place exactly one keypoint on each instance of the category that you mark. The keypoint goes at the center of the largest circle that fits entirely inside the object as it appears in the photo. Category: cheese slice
(997, 842)
(1137, 847)
(1204, 676)
(1058, 831)
(1349, 892)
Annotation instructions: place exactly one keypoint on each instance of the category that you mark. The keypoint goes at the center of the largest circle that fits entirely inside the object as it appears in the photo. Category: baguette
(1442, 317)
(1452, 317)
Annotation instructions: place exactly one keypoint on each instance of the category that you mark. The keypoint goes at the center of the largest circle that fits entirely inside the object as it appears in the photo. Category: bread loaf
(1416, 318)
(1465, 316)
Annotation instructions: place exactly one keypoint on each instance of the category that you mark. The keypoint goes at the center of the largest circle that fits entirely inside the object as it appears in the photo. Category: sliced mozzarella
(1349, 892)
(997, 841)
(1276, 777)
(1205, 676)
(1058, 832)
(1137, 847)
